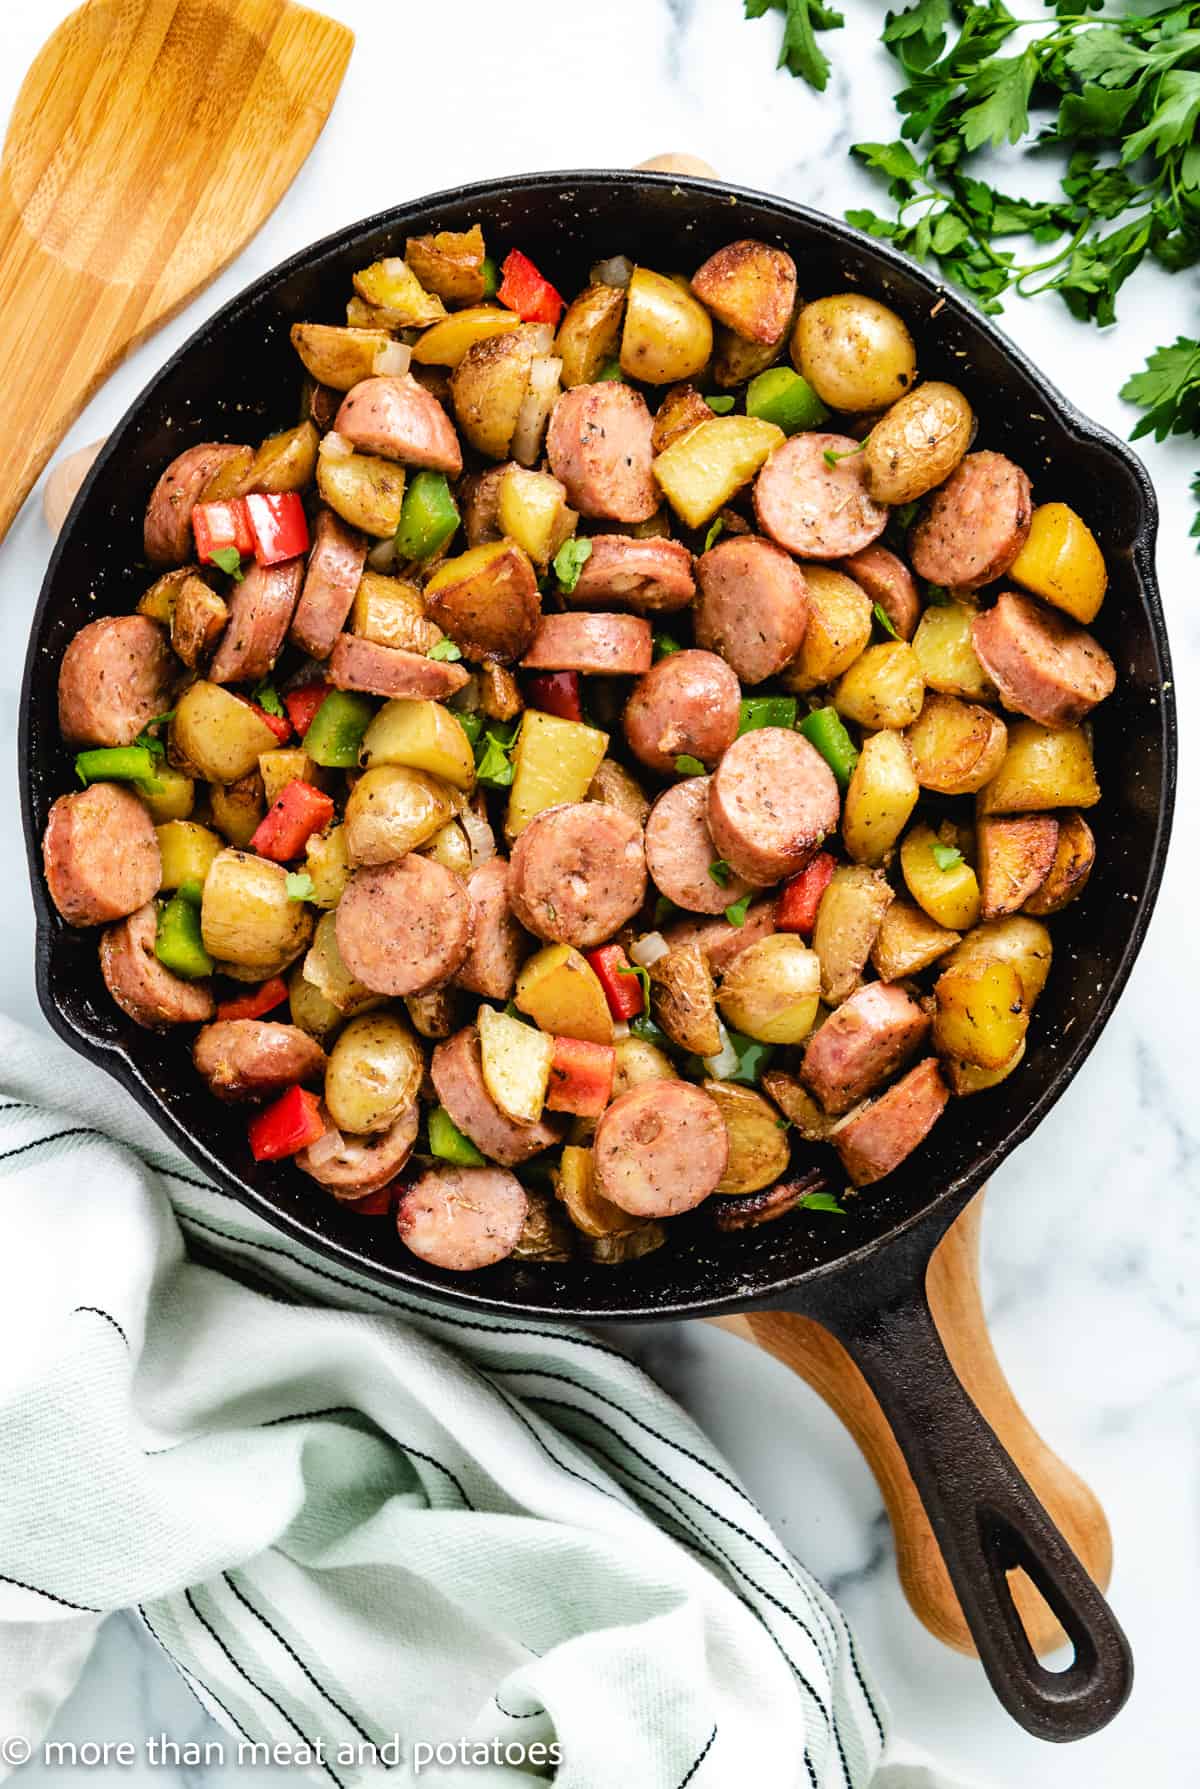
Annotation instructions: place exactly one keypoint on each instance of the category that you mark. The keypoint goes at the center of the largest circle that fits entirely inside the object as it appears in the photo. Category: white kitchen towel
(355, 1520)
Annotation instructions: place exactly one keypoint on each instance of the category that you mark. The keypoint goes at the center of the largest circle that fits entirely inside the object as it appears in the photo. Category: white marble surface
(1090, 1247)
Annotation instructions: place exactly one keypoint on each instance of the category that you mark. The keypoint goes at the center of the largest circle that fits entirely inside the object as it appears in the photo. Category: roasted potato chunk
(216, 735)
(617, 787)
(516, 1062)
(590, 333)
(238, 808)
(283, 766)
(328, 864)
(364, 489)
(425, 736)
(309, 1008)
(967, 1077)
(681, 410)
(433, 1015)
(1015, 856)
(855, 353)
(589, 1210)
(943, 645)
(667, 335)
(324, 968)
(449, 264)
(1024, 943)
(638, 1060)
(771, 991)
(683, 1000)
(532, 510)
(545, 1235)
(750, 287)
(1044, 767)
(939, 878)
(499, 692)
(555, 761)
(391, 612)
(918, 442)
(561, 992)
(956, 746)
(1062, 563)
(447, 343)
(839, 627)
(187, 852)
(391, 285)
(704, 468)
(248, 918)
(489, 385)
(374, 1073)
(884, 687)
(341, 358)
(848, 922)
(391, 810)
(908, 942)
(487, 600)
(806, 1114)
(1074, 857)
(882, 795)
(197, 621)
(981, 1017)
(758, 1148)
(284, 462)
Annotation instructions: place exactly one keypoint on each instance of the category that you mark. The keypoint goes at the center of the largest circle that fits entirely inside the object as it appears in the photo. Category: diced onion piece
(616, 271)
(534, 414)
(335, 446)
(382, 556)
(393, 361)
(325, 1147)
(480, 836)
(725, 1062)
(540, 336)
(620, 1029)
(649, 949)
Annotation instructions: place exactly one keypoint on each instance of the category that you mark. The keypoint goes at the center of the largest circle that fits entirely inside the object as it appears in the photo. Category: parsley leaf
(664, 909)
(664, 646)
(267, 699)
(736, 914)
(228, 559)
(721, 406)
(300, 886)
(493, 761)
(720, 871)
(445, 650)
(686, 765)
(946, 856)
(716, 529)
(821, 1200)
(798, 52)
(570, 560)
(831, 457)
(884, 620)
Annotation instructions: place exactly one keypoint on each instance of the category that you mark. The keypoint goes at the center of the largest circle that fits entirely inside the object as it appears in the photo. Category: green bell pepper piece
(116, 764)
(335, 735)
(766, 711)
(428, 516)
(824, 729)
(178, 944)
(448, 1142)
(781, 396)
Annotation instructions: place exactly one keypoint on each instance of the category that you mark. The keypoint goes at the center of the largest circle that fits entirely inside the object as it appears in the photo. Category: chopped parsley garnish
(570, 560)
(946, 857)
(686, 765)
(228, 559)
(300, 886)
(445, 649)
(736, 914)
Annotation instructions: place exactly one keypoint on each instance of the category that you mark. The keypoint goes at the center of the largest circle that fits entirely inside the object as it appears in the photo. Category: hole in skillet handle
(985, 1517)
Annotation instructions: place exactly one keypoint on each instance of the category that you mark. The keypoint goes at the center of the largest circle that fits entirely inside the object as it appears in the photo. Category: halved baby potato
(884, 687)
(855, 353)
(590, 333)
(374, 1073)
(758, 1146)
(391, 285)
(1073, 860)
(839, 627)
(772, 989)
(1025, 943)
(424, 736)
(446, 343)
(391, 810)
(1062, 563)
(684, 1001)
(918, 442)
(704, 468)
(909, 941)
(489, 384)
(516, 1060)
(882, 794)
(339, 357)
(943, 644)
(956, 746)
(1044, 767)
(750, 287)
(1016, 854)
(949, 894)
(449, 263)
(363, 488)
(981, 1016)
(667, 335)
(562, 994)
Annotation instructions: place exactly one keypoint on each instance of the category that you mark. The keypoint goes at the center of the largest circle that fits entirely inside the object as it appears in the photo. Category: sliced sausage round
(660, 1149)
(100, 853)
(141, 985)
(335, 567)
(597, 645)
(860, 1044)
(260, 612)
(972, 528)
(771, 803)
(115, 676)
(888, 582)
(246, 1059)
(456, 1069)
(873, 1141)
(402, 421)
(688, 704)
(1043, 664)
(598, 445)
(720, 941)
(357, 664)
(752, 607)
(352, 1167)
(680, 852)
(501, 943)
(168, 530)
(816, 509)
(578, 873)
(404, 927)
(462, 1218)
(651, 576)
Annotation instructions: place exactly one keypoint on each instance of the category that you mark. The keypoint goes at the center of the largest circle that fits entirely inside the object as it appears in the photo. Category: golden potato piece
(589, 1210)
(516, 1059)
(284, 462)
(1024, 943)
(1074, 857)
(1015, 856)
(940, 879)
(908, 942)
(488, 387)
(328, 865)
(667, 335)
(364, 489)
(806, 1114)
(309, 1008)
(374, 1073)
(705, 467)
(283, 766)
(638, 1060)
(561, 992)
(1044, 767)
(391, 810)
(942, 643)
(247, 917)
(956, 746)
(839, 627)
(758, 1146)
(1061, 562)
(554, 762)
(197, 619)
(848, 921)
(918, 442)
(449, 264)
(683, 1000)
(750, 287)
(590, 333)
(391, 285)
(736, 360)
(338, 357)
(447, 342)
(532, 510)
(424, 736)
(616, 787)
(772, 989)
(855, 353)
(391, 612)
(981, 1017)
(187, 851)
(487, 600)
(682, 409)
(238, 808)
(216, 735)
(966, 1077)
(884, 687)
(882, 795)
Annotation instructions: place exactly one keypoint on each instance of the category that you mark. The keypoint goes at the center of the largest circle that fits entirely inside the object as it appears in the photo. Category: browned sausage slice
(457, 1072)
(815, 509)
(688, 704)
(972, 528)
(389, 671)
(352, 1167)
(861, 1044)
(255, 1058)
(578, 873)
(402, 421)
(761, 280)
(168, 530)
(652, 576)
(746, 1211)
(660, 1149)
(599, 447)
(771, 802)
(888, 582)
(260, 611)
(680, 852)
(1043, 664)
(752, 607)
(873, 1141)
(599, 645)
(115, 676)
(141, 985)
(720, 941)
(404, 927)
(335, 568)
(501, 943)
(462, 1218)
(101, 857)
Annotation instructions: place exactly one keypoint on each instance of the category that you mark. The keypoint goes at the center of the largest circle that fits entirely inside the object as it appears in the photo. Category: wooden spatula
(149, 141)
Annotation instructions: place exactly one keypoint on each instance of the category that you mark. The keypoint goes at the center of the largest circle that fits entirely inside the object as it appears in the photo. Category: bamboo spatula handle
(954, 1298)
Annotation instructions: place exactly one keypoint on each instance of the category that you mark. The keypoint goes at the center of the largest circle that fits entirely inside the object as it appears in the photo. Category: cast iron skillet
(862, 1277)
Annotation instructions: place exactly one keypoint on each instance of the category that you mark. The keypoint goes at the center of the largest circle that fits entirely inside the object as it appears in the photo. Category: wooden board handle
(952, 1286)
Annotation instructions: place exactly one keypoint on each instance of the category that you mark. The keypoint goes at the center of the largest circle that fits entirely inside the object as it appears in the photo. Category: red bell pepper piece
(280, 525)
(797, 909)
(622, 988)
(581, 1076)
(285, 828)
(218, 526)
(263, 999)
(278, 723)
(524, 290)
(288, 1124)
(375, 1205)
(302, 704)
(555, 692)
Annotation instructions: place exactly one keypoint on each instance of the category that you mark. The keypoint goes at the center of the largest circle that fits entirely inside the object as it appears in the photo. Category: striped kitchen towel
(375, 1532)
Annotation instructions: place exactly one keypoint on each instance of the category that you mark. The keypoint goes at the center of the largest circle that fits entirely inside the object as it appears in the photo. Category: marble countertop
(1090, 1250)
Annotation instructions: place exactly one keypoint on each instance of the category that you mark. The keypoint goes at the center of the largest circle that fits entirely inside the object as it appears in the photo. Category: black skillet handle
(986, 1519)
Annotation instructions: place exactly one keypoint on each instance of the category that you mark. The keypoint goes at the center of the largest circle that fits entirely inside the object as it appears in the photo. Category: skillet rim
(953, 1194)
